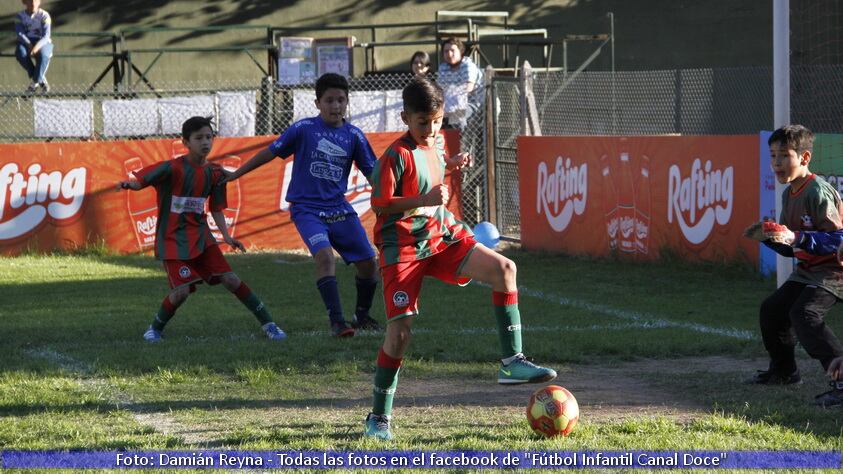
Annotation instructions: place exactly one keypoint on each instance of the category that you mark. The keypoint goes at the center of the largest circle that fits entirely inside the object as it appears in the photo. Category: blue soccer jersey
(323, 158)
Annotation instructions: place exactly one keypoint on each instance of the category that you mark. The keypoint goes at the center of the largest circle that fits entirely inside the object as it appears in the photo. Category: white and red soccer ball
(553, 411)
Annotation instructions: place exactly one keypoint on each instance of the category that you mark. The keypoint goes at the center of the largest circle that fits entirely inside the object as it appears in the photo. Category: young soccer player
(786, 242)
(799, 306)
(325, 146)
(182, 237)
(417, 236)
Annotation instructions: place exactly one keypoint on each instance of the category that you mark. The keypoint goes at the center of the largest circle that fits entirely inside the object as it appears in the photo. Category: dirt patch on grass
(618, 391)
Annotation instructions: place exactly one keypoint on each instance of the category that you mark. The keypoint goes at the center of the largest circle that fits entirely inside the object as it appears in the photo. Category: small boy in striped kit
(182, 237)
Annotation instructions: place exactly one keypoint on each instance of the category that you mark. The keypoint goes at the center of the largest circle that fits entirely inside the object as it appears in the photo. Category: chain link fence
(240, 108)
(697, 101)
(690, 102)
(816, 97)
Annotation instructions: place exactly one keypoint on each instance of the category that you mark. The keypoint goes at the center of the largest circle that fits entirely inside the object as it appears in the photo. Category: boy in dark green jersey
(417, 236)
(182, 238)
(797, 309)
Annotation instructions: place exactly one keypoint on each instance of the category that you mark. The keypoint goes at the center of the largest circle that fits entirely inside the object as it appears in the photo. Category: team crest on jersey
(184, 272)
(329, 148)
(400, 299)
(807, 222)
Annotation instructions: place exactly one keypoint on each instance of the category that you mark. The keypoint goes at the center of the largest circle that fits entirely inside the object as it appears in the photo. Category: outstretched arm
(131, 184)
(261, 158)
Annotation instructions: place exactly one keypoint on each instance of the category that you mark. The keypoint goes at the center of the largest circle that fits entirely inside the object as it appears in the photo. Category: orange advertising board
(62, 195)
(638, 196)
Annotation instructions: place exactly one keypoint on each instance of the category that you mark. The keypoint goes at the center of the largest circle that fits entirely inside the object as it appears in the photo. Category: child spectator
(32, 27)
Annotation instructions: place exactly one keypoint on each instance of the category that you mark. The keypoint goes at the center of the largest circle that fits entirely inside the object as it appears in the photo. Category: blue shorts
(340, 229)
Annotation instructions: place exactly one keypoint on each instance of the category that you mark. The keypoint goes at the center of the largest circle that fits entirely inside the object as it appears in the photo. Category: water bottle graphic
(143, 212)
(626, 206)
(232, 197)
(642, 207)
(178, 149)
(610, 202)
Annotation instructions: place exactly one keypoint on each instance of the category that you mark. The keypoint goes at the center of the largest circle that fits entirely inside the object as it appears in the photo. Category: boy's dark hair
(194, 124)
(456, 42)
(330, 80)
(794, 137)
(423, 95)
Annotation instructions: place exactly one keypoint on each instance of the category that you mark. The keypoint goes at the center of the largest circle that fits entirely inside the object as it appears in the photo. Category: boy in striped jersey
(417, 236)
(182, 237)
(816, 243)
(810, 207)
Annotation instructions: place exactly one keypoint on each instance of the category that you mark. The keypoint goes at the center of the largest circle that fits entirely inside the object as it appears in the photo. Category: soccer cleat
(831, 398)
(152, 335)
(769, 377)
(273, 332)
(522, 370)
(32, 88)
(45, 86)
(377, 426)
(341, 330)
(365, 323)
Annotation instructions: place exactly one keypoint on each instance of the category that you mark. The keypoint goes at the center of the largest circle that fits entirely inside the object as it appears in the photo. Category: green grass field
(654, 353)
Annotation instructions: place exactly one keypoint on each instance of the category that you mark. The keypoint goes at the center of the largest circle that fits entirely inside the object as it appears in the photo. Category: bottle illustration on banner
(143, 211)
(610, 202)
(642, 207)
(626, 206)
(232, 197)
(178, 149)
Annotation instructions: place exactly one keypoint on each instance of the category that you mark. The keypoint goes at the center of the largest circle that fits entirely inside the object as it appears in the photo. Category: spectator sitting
(32, 27)
(420, 64)
(462, 82)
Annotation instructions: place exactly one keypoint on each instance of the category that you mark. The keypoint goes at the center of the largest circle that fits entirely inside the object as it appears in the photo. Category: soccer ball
(552, 411)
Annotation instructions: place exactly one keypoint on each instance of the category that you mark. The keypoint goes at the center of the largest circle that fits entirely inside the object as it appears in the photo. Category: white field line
(646, 320)
(635, 316)
(161, 422)
(490, 329)
(63, 361)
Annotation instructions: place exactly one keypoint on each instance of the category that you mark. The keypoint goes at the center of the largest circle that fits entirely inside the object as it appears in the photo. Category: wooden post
(530, 117)
(491, 195)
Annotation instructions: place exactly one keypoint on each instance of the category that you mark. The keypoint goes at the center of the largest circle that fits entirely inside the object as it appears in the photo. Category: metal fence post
(267, 107)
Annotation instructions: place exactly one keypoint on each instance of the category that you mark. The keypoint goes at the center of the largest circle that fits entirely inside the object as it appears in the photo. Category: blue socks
(331, 296)
(365, 294)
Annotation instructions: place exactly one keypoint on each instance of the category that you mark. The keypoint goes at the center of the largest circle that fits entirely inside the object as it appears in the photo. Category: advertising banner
(63, 195)
(640, 196)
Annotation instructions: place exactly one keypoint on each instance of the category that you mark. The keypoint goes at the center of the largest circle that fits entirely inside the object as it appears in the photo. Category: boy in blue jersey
(325, 147)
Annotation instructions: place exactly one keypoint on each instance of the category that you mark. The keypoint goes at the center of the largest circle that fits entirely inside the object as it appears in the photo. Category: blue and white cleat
(152, 335)
(273, 332)
(377, 426)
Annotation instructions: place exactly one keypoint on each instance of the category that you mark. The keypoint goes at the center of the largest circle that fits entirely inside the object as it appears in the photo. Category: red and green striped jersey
(814, 206)
(182, 231)
(408, 169)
